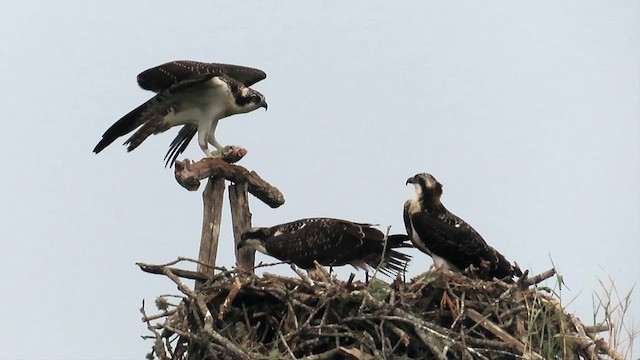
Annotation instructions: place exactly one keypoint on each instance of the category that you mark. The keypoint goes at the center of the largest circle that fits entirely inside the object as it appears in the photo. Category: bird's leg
(212, 139)
(203, 129)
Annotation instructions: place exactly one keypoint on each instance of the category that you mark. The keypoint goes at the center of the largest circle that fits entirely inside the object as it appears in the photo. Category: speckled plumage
(448, 239)
(330, 242)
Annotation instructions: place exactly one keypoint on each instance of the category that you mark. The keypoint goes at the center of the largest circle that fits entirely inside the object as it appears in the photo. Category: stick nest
(437, 315)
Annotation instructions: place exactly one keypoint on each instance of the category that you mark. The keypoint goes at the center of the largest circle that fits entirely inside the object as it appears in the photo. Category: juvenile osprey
(330, 242)
(449, 240)
(190, 93)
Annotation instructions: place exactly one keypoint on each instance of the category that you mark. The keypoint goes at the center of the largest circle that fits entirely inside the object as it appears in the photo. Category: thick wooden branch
(241, 218)
(212, 197)
(188, 174)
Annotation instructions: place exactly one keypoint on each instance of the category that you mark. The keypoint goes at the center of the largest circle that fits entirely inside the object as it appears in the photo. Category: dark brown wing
(125, 125)
(158, 105)
(334, 242)
(303, 241)
(453, 239)
(164, 76)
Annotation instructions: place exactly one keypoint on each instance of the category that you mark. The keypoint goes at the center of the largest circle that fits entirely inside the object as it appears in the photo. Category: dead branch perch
(188, 174)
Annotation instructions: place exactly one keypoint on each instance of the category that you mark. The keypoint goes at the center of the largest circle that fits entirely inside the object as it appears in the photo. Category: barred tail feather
(394, 262)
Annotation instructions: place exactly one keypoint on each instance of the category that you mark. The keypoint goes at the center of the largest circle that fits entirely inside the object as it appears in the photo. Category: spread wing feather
(164, 76)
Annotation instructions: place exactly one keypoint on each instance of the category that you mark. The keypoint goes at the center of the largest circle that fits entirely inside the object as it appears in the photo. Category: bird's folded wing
(459, 243)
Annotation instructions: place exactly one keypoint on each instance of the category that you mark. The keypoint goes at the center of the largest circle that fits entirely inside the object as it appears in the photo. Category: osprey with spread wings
(193, 94)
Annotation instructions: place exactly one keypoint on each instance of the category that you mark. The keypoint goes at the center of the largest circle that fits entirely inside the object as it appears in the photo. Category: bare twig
(159, 269)
(158, 346)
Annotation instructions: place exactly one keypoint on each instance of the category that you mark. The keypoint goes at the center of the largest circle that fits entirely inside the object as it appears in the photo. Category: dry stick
(470, 350)
(188, 335)
(286, 346)
(436, 341)
(583, 339)
(312, 314)
(212, 198)
(158, 316)
(460, 310)
(159, 270)
(182, 258)
(158, 346)
(599, 342)
(383, 338)
(269, 264)
(604, 346)
(524, 282)
(540, 277)
(241, 219)
(323, 356)
(384, 250)
(292, 313)
(497, 331)
(597, 328)
(208, 318)
(233, 292)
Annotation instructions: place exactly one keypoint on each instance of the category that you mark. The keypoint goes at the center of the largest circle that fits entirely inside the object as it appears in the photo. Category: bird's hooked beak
(410, 180)
(264, 105)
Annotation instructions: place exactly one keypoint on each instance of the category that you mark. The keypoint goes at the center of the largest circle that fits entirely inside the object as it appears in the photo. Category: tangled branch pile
(437, 315)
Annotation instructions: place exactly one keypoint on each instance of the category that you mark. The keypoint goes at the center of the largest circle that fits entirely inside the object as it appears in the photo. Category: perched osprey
(330, 242)
(190, 93)
(449, 240)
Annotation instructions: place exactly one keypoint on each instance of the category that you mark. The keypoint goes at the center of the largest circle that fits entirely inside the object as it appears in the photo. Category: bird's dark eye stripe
(241, 100)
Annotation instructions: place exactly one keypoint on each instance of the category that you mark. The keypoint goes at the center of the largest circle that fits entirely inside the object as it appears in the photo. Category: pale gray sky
(528, 113)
